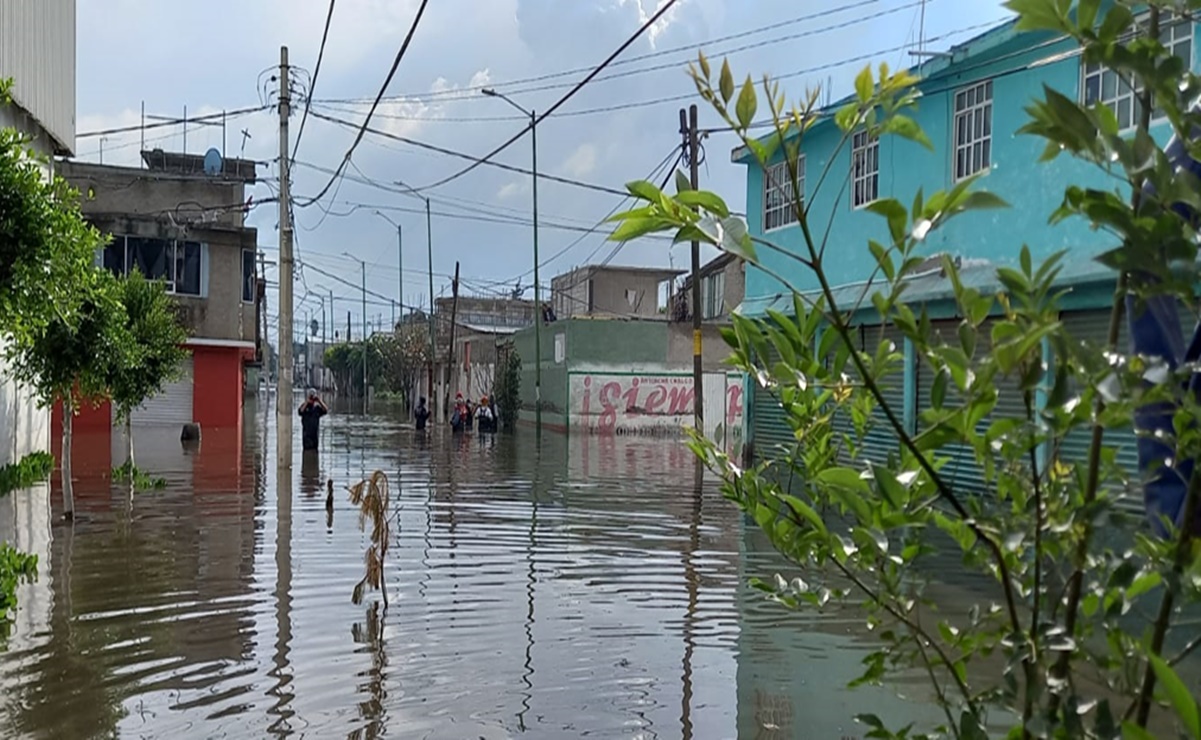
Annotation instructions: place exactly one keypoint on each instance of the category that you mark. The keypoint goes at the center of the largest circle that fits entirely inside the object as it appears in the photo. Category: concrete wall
(107, 190)
(37, 50)
(732, 295)
(612, 290)
(1032, 189)
(714, 350)
(24, 428)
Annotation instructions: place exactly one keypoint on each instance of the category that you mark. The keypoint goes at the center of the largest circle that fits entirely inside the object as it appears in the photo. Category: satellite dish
(212, 162)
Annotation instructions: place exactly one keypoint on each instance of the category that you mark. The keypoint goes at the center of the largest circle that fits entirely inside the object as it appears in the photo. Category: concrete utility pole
(688, 128)
(283, 408)
(429, 240)
(537, 286)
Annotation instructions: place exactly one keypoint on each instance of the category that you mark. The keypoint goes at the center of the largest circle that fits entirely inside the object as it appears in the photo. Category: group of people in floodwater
(464, 416)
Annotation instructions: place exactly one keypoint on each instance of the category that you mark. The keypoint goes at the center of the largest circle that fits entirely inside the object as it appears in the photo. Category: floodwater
(583, 587)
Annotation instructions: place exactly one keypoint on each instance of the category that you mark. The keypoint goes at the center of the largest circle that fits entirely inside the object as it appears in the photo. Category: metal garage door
(171, 407)
(962, 470)
(1093, 327)
(770, 432)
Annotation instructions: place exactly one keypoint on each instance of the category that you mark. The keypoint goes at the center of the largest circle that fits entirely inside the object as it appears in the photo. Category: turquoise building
(972, 106)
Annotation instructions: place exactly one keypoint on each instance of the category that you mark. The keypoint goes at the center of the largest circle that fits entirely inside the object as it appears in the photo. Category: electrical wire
(404, 47)
(663, 8)
(172, 122)
(313, 83)
(461, 155)
(464, 92)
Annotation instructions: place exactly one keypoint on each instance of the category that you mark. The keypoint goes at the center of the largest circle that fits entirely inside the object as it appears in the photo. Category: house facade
(37, 52)
(611, 291)
(723, 288)
(971, 107)
(174, 223)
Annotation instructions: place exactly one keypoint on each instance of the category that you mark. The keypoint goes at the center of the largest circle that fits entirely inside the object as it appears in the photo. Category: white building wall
(37, 50)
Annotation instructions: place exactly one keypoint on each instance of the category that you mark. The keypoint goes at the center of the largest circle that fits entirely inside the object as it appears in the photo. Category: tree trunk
(68, 489)
(129, 444)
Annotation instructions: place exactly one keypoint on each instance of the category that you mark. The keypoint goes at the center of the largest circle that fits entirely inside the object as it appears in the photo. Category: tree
(45, 245)
(1062, 612)
(69, 362)
(508, 388)
(154, 355)
(403, 355)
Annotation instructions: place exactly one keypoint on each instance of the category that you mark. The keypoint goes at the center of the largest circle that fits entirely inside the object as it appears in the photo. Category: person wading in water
(311, 412)
(421, 415)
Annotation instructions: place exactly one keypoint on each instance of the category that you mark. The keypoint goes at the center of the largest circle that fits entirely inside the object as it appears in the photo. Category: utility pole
(283, 407)
(688, 127)
(364, 267)
(308, 347)
(450, 350)
(429, 241)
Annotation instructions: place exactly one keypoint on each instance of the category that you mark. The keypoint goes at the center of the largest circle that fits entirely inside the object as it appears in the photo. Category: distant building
(174, 223)
(482, 324)
(612, 291)
(723, 286)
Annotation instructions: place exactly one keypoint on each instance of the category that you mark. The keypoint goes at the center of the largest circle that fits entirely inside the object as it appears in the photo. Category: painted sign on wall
(653, 404)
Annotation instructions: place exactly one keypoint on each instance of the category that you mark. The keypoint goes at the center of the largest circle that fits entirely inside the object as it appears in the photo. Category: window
(1103, 86)
(713, 295)
(177, 264)
(249, 278)
(973, 129)
(865, 169)
(779, 202)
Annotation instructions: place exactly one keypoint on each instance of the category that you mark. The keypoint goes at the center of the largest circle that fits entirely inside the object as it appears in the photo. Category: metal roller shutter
(1093, 327)
(962, 470)
(881, 439)
(173, 406)
(769, 425)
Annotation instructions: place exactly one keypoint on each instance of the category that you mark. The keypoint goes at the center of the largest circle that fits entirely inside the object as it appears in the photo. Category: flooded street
(586, 587)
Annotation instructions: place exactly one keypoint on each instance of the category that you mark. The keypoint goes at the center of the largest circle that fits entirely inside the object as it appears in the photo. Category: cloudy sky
(220, 54)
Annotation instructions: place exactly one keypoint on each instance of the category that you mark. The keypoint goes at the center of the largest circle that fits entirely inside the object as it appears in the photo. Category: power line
(172, 122)
(313, 83)
(461, 155)
(463, 93)
(404, 47)
(563, 100)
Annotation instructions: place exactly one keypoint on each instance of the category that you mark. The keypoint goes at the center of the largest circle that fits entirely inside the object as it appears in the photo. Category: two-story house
(610, 291)
(177, 222)
(971, 107)
(723, 287)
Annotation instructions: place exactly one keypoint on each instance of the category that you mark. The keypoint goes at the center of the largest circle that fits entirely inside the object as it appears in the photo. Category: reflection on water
(587, 587)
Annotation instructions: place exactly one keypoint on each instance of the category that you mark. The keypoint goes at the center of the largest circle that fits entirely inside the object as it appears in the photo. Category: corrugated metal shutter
(769, 431)
(1092, 327)
(962, 471)
(173, 406)
(881, 439)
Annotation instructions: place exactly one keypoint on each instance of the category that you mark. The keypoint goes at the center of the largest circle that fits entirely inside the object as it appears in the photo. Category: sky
(221, 54)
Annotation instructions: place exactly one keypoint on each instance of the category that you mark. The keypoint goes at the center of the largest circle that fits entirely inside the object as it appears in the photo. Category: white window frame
(713, 298)
(1176, 32)
(865, 169)
(779, 202)
(972, 106)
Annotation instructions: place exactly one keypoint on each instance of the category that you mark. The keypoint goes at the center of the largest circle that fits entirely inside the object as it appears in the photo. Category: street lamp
(400, 265)
(102, 140)
(537, 293)
(363, 265)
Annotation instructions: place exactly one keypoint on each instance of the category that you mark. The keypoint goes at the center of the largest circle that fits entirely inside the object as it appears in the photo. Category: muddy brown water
(581, 587)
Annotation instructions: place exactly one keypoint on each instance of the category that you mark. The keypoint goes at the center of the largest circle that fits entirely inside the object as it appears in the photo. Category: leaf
(636, 227)
(1179, 697)
(843, 478)
(737, 240)
(711, 202)
(864, 84)
(645, 190)
(982, 199)
(892, 210)
(747, 103)
(1131, 731)
(907, 128)
(805, 511)
(683, 184)
(704, 64)
(726, 84)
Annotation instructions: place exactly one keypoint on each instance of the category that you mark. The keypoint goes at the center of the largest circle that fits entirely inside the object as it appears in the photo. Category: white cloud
(582, 161)
(512, 190)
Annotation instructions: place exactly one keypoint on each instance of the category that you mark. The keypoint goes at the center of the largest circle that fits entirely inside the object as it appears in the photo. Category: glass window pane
(1109, 85)
(187, 275)
(114, 256)
(1124, 113)
(249, 280)
(152, 257)
(986, 147)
